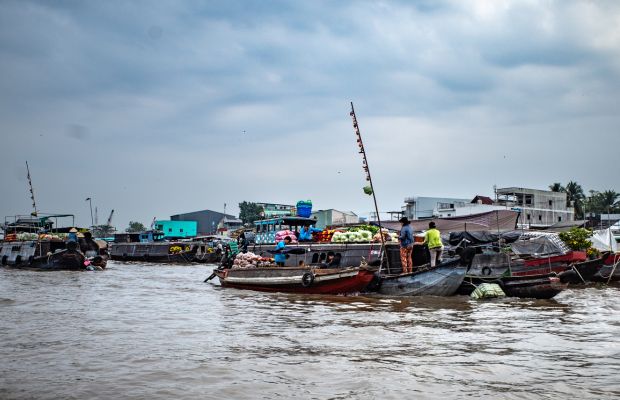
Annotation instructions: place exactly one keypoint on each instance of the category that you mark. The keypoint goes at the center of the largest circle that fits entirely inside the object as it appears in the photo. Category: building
(334, 217)
(177, 229)
(207, 221)
(228, 224)
(419, 207)
(272, 210)
(539, 208)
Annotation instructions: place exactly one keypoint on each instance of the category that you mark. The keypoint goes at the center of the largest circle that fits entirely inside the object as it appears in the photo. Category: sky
(159, 108)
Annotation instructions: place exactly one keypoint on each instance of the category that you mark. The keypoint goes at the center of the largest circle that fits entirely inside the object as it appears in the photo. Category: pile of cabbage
(357, 237)
(251, 260)
(27, 236)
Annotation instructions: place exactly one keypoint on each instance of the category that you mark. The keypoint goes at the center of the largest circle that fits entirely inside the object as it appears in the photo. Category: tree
(249, 212)
(609, 199)
(135, 227)
(575, 196)
(577, 238)
(557, 187)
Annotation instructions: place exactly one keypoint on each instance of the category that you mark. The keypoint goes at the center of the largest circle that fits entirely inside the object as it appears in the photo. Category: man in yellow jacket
(433, 240)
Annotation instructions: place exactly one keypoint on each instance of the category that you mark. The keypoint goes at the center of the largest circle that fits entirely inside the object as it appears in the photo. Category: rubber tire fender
(486, 271)
(307, 279)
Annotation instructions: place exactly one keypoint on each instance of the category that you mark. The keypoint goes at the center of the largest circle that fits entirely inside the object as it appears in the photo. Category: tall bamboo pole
(362, 151)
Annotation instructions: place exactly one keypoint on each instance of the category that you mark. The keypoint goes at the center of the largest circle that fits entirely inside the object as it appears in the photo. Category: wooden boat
(150, 246)
(581, 272)
(610, 271)
(534, 286)
(307, 280)
(442, 280)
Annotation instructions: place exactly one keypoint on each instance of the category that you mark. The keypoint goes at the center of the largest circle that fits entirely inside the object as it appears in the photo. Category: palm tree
(609, 199)
(575, 195)
(557, 187)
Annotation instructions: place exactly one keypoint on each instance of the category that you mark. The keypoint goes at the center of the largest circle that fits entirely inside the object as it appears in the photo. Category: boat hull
(297, 280)
(583, 272)
(162, 252)
(443, 280)
(535, 287)
(45, 255)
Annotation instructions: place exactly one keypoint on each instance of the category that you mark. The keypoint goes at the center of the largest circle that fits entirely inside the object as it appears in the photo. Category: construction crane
(109, 221)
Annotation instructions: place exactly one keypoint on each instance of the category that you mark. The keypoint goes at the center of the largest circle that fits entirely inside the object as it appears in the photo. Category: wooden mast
(362, 151)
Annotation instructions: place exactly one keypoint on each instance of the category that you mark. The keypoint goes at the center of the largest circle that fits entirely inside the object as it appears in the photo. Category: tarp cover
(542, 245)
(483, 237)
(604, 240)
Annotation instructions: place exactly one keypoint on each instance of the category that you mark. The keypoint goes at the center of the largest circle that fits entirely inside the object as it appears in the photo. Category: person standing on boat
(88, 246)
(242, 242)
(406, 245)
(280, 257)
(306, 231)
(433, 240)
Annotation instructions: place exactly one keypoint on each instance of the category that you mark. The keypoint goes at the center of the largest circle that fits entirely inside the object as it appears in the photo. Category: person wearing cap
(406, 245)
(433, 240)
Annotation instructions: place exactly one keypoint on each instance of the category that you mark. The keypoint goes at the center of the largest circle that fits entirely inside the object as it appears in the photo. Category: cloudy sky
(158, 108)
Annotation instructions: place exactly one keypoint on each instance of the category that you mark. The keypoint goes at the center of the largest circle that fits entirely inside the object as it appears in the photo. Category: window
(550, 203)
(559, 219)
(540, 217)
(528, 217)
(181, 230)
(169, 229)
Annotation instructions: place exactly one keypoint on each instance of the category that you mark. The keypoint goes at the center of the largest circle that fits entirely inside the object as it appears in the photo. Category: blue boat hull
(443, 280)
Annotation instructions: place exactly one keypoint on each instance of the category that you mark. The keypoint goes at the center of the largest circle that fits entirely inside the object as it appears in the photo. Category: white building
(334, 217)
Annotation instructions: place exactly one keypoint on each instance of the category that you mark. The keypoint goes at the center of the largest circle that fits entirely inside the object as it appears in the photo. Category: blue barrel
(304, 208)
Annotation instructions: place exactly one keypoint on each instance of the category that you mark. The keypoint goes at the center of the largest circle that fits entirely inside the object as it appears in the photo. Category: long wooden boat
(46, 255)
(534, 286)
(442, 280)
(307, 280)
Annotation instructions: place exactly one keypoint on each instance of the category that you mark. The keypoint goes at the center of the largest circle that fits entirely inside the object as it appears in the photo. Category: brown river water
(148, 331)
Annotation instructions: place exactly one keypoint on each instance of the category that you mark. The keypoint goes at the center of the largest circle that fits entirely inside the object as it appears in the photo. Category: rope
(580, 277)
(616, 262)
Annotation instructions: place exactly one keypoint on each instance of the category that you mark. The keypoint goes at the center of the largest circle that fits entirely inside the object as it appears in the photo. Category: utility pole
(90, 202)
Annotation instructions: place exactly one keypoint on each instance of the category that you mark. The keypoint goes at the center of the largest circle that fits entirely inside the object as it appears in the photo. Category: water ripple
(155, 331)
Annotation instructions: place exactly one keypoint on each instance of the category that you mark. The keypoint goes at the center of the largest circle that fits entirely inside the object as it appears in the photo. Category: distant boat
(150, 246)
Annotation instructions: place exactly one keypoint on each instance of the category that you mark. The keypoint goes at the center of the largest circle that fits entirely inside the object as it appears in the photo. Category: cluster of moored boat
(510, 260)
(523, 265)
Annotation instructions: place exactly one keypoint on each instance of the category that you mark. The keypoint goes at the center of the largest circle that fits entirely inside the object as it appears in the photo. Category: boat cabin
(37, 223)
(139, 237)
(266, 228)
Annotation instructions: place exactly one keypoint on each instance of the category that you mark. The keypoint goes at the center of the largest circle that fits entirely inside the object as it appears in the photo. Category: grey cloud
(163, 92)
